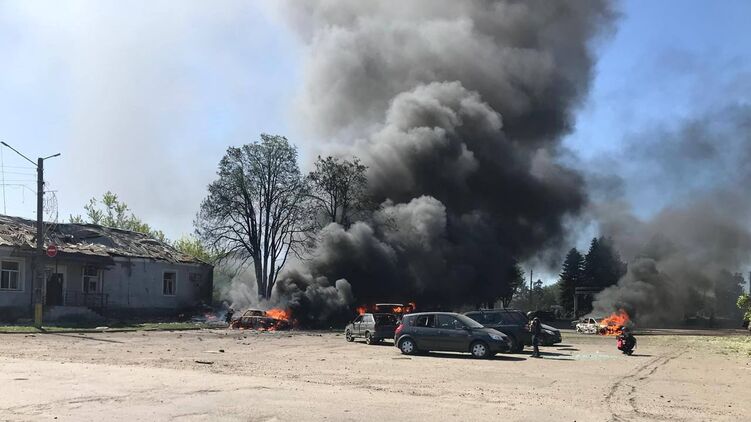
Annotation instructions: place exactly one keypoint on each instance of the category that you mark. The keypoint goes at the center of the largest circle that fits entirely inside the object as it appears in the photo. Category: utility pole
(39, 276)
(531, 271)
(37, 280)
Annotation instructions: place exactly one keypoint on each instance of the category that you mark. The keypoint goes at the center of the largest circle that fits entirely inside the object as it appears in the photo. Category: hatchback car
(447, 332)
(373, 327)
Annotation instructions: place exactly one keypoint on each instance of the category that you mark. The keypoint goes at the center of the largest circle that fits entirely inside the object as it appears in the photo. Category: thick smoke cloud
(457, 108)
(701, 232)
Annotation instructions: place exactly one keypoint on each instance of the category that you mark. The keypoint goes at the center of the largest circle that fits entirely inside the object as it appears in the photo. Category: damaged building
(96, 271)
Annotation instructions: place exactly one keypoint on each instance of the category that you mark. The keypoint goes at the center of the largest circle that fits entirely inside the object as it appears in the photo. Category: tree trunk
(258, 266)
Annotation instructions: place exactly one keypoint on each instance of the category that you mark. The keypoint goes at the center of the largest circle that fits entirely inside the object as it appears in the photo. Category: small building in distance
(100, 270)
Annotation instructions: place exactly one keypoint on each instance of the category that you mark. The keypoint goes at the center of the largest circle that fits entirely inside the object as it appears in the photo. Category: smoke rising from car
(684, 255)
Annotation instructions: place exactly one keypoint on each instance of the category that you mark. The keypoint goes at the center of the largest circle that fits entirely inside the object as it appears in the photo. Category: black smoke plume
(682, 258)
(458, 109)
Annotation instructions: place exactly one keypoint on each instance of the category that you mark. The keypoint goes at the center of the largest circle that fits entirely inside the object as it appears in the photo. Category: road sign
(51, 251)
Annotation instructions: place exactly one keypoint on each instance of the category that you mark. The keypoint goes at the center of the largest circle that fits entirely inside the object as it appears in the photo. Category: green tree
(744, 304)
(110, 211)
(512, 282)
(602, 264)
(570, 278)
(727, 288)
(255, 209)
(338, 189)
(191, 245)
(602, 268)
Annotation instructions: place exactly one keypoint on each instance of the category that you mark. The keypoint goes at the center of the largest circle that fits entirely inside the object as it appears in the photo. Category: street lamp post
(38, 258)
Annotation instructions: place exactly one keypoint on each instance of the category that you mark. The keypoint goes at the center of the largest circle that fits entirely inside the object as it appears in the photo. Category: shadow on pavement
(468, 356)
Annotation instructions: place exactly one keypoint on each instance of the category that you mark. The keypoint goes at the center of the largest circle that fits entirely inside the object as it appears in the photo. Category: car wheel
(479, 350)
(369, 338)
(348, 336)
(407, 346)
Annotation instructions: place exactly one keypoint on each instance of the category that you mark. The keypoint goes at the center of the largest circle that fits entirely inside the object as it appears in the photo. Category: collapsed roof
(90, 240)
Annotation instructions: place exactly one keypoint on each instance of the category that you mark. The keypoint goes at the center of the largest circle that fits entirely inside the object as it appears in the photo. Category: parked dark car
(515, 325)
(545, 316)
(447, 332)
(372, 327)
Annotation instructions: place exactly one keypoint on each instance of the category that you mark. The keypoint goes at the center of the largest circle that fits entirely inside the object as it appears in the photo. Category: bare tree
(338, 188)
(254, 210)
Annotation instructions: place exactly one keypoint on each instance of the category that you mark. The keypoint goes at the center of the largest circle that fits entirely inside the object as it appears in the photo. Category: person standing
(228, 316)
(535, 327)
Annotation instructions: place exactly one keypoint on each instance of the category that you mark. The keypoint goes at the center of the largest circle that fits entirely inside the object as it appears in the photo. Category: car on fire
(598, 326)
(257, 319)
(588, 325)
(514, 324)
(448, 332)
(373, 327)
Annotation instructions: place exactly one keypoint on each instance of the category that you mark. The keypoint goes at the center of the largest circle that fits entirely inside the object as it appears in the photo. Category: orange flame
(396, 309)
(611, 326)
(281, 314)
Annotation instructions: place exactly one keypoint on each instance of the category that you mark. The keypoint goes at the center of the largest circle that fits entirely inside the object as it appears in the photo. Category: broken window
(169, 283)
(91, 279)
(10, 277)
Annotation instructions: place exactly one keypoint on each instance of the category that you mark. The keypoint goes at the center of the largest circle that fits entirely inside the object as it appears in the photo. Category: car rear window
(386, 319)
(517, 317)
(493, 318)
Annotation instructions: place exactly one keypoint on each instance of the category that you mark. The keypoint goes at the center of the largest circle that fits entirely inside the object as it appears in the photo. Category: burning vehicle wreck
(256, 319)
(608, 326)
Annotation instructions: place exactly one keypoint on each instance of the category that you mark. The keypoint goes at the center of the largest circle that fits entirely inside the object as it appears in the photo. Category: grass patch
(726, 345)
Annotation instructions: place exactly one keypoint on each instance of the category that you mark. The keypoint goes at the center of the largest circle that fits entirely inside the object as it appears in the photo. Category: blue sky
(142, 98)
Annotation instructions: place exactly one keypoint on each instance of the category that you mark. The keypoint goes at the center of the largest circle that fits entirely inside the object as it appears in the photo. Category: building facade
(108, 271)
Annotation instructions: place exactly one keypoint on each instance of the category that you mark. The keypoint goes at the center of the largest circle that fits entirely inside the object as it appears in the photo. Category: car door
(367, 324)
(452, 335)
(356, 326)
(424, 332)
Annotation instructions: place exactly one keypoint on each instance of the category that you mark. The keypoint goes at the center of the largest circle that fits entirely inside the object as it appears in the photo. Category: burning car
(608, 326)
(588, 326)
(256, 319)
(398, 309)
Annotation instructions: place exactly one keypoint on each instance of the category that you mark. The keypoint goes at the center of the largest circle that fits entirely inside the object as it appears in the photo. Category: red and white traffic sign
(51, 251)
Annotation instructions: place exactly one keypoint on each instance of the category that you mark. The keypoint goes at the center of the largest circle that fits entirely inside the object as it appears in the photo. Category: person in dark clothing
(228, 315)
(535, 327)
(626, 341)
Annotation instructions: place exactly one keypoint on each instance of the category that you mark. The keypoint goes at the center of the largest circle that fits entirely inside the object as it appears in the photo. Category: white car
(588, 326)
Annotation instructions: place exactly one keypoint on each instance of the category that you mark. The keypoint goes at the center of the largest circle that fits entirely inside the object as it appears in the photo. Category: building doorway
(54, 289)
